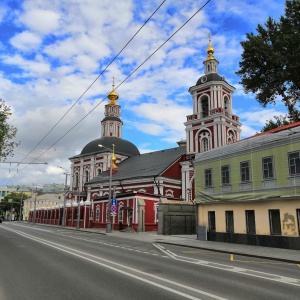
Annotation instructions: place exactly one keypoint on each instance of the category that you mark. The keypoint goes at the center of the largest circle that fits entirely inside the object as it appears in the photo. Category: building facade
(249, 192)
(146, 178)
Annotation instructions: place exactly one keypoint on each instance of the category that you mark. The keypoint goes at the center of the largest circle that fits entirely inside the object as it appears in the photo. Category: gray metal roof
(122, 146)
(144, 165)
(254, 143)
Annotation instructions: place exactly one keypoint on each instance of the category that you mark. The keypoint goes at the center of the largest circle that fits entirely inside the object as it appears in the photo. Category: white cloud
(60, 47)
(40, 20)
(26, 41)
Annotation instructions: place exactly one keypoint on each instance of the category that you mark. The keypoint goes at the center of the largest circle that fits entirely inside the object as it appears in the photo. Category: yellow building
(40, 201)
(249, 192)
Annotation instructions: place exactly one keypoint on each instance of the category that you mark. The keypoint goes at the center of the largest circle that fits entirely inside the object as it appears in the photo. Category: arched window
(204, 106)
(99, 171)
(226, 105)
(120, 212)
(86, 176)
(97, 214)
(76, 180)
(231, 137)
(205, 145)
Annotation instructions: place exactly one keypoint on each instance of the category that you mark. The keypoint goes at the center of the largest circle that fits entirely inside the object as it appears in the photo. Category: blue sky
(51, 51)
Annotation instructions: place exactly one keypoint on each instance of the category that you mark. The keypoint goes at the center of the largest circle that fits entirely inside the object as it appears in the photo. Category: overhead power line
(123, 80)
(91, 85)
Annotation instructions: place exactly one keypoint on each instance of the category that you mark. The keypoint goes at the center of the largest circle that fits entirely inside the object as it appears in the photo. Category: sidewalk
(284, 255)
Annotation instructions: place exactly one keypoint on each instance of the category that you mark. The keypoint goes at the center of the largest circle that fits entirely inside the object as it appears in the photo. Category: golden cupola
(113, 96)
(210, 50)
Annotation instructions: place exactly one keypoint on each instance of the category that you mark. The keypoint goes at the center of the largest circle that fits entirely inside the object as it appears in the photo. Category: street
(39, 262)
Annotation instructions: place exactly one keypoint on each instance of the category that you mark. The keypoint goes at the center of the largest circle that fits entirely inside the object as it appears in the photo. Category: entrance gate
(179, 224)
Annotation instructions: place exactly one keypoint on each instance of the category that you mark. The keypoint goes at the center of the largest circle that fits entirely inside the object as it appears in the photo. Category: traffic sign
(113, 208)
(114, 202)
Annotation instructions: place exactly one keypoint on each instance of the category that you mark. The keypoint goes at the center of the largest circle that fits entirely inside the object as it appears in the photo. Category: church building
(112, 166)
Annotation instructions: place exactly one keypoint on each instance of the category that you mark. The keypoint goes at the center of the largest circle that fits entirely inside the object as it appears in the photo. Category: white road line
(248, 272)
(105, 263)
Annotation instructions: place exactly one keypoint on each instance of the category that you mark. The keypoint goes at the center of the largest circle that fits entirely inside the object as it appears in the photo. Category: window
(267, 165)
(211, 221)
(99, 171)
(97, 214)
(120, 212)
(274, 218)
(225, 174)
(229, 221)
(245, 171)
(204, 106)
(294, 163)
(208, 177)
(205, 144)
(250, 221)
(298, 218)
(76, 180)
(86, 176)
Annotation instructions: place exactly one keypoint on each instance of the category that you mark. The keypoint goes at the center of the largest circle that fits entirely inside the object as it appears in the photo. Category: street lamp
(108, 223)
(63, 223)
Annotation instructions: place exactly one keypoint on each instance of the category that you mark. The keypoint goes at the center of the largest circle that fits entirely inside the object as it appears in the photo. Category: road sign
(114, 202)
(113, 208)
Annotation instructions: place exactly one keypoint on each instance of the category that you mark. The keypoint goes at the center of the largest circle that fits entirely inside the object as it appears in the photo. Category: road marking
(229, 268)
(259, 262)
(105, 263)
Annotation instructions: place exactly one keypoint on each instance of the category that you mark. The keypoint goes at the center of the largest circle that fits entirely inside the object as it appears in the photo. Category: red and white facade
(211, 125)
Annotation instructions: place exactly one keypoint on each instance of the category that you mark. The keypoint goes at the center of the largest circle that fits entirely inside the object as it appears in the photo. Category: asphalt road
(39, 262)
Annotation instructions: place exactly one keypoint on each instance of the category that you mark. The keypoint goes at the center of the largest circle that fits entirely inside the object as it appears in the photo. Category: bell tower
(212, 123)
(111, 125)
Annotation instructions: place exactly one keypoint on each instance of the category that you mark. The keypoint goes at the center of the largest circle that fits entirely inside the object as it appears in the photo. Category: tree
(279, 121)
(270, 65)
(12, 202)
(7, 132)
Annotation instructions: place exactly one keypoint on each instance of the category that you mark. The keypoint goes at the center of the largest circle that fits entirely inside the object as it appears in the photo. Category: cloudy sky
(53, 51)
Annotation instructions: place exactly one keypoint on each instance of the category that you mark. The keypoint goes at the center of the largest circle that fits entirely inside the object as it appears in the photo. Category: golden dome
(113, 96)
(210, 51)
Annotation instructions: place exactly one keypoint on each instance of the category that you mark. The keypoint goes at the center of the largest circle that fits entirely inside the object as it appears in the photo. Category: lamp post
(34, 211)
(63, 223)
(78, 214)
(108, 223)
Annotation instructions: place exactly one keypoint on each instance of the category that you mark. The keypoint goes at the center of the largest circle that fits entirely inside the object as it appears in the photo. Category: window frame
(263, 163)
(295, 163)
(229, 218)
(248, 219)
(211, 217)
(205, 144)
(208, 183)
(97, 214)
(271, 222)
(245, 171)
(227, 174)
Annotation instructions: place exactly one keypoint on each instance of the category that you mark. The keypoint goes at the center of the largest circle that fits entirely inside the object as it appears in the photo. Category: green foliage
(271, 124)
(270, 65)
(13, 200)
(7, 132)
